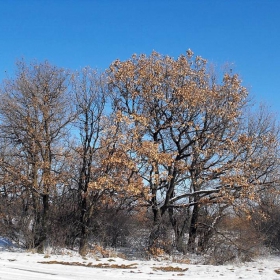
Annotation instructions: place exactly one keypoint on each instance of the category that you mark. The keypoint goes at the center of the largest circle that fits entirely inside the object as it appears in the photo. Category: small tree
(102, 173)
(90, 100)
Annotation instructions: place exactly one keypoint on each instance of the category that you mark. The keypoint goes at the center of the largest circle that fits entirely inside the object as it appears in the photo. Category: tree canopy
(151, 132)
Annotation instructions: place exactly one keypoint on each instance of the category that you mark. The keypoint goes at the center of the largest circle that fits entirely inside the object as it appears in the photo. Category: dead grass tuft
(170, 269)
(63, 263)
(182, 261)
(121, 266)
(106, 253)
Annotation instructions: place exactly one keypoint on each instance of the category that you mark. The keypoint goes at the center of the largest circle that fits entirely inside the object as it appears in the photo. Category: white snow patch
(27, 265)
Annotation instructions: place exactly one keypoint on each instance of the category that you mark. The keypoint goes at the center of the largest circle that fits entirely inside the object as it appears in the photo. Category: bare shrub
(235, 239)
(265, 217)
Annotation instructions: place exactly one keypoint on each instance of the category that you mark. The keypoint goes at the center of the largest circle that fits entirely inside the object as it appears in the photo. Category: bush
(235, 239)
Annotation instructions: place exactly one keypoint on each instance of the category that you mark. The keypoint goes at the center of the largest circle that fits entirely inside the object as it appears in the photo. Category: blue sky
(77, 33)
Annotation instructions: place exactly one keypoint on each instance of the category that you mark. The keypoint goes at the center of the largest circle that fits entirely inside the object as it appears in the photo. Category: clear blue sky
(77, 33)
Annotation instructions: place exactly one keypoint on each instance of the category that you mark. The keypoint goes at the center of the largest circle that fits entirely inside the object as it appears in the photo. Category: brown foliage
(176, 140)
(184, 134)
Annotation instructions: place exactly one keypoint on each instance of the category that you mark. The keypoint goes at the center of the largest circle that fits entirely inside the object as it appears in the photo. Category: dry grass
(66, 263)
(182, 261)
(100, 265)
(121, 266)
(106, 253)
(170, 269)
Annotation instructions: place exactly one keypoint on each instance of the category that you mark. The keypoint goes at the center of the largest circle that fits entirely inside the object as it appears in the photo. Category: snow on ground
(18, 265)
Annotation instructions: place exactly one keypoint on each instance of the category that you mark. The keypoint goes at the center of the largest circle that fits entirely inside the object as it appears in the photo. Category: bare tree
(90, 100)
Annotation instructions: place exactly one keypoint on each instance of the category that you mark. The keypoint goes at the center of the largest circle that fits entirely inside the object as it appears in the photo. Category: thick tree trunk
(178, 232)
(41, 227)
(193, 229)
(155, 232)
(84, 221)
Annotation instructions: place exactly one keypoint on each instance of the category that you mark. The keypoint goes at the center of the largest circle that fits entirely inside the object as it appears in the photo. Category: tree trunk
(179, 241)
(178, 232)
(84, 221)
(208, 232)
(193, 229)
(155, 232)
(41, 226)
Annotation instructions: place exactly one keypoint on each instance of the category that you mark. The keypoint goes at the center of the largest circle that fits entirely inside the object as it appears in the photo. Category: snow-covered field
(17, 265)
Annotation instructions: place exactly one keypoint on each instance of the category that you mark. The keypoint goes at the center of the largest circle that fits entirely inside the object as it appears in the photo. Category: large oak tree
(185, 136)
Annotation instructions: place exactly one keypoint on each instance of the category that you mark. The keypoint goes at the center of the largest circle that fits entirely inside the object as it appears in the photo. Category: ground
(22, 265)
